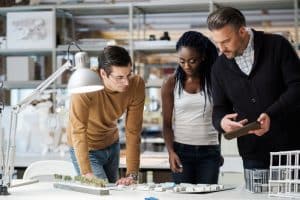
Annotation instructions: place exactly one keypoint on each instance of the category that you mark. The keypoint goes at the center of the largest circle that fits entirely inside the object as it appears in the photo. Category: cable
(69, 46)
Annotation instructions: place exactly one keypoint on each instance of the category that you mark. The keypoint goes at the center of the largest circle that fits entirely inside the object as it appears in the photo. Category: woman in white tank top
(191, 140)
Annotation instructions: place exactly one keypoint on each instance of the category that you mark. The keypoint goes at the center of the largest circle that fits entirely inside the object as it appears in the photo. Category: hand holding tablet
(242, 131)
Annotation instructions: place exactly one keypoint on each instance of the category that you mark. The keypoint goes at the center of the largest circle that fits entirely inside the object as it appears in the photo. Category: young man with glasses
(93, 133)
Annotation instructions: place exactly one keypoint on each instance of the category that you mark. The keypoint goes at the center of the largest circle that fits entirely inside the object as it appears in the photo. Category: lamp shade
(84, 80)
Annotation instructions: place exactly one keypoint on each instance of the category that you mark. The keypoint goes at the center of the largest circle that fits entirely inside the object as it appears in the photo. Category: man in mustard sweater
(93, 135)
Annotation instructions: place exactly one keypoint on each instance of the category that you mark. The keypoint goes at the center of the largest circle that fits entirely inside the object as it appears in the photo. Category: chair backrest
(45, 169)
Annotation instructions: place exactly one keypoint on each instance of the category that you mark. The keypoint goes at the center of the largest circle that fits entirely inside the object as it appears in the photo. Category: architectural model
(81, 184)
(285, 177)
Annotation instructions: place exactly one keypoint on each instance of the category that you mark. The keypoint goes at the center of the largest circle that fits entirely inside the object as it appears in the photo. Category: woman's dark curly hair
(207, 51)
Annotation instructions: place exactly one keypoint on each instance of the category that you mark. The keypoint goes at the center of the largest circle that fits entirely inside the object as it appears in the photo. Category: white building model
(285, 177)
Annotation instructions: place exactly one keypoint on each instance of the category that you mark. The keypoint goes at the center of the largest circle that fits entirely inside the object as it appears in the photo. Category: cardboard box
(20, 68)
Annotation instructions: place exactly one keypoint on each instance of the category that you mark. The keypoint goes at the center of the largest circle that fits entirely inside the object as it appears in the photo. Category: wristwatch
(134, 176)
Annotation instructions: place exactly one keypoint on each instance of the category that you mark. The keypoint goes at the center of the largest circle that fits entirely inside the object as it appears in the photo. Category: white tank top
(191, 125)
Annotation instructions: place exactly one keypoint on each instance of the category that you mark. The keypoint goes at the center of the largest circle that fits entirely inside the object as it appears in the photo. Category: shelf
(151, 126)
(173, 7)
(87, 48)
(21, 84)
(28, 85)
(62, 86)
(76, 9)
(156, 6)
(155, 46)
(91, 50)
(157, 83)
(25, 52)
(145, 46)
(96, 9)
(153, 140)
(196, 6)
(116, 9)
(257, 4)
(4, 10)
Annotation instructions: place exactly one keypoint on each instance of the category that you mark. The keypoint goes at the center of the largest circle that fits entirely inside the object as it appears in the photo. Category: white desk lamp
(83, 80)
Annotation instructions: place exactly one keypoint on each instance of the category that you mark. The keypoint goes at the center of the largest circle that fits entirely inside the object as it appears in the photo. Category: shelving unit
(25, 52)
(134, 22)
(21, 84)
(139, 19)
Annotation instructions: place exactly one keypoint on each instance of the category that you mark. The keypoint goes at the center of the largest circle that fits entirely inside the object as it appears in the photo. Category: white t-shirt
(191, 125)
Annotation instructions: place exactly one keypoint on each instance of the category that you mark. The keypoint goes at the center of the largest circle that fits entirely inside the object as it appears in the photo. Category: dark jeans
(104, 162)
(200, 163)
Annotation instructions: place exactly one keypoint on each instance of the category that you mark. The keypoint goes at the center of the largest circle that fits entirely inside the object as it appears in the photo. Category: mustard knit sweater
(93, 122)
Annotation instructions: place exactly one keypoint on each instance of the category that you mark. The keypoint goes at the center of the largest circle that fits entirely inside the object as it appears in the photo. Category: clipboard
(242, 131)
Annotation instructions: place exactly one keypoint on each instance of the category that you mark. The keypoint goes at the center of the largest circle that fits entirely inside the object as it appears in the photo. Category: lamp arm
(8, 163)
(44, 85)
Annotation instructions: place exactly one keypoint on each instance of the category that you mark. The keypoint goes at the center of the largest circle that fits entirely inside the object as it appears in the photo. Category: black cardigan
(273, 87)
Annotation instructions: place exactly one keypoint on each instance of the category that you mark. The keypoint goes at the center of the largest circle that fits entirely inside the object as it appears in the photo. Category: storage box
(19, 68)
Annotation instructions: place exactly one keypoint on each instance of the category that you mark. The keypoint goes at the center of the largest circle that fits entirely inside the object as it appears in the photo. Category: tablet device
(242, 131)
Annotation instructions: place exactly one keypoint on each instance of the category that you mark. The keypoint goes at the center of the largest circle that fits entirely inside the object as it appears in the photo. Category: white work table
(149, 160)
(45, 190)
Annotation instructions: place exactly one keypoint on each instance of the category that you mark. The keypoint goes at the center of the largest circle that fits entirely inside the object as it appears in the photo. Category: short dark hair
(225, 16)
(113, 55)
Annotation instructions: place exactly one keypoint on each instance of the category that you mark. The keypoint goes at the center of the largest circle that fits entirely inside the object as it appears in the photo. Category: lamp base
(3, 190)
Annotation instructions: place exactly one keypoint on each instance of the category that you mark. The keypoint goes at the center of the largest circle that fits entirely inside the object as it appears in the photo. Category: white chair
(44, 170)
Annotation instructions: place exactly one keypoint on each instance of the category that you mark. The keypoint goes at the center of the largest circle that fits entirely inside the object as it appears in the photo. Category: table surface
(149, 160)
(45, 190)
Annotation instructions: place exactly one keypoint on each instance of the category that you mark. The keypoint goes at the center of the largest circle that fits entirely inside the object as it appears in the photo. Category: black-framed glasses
(120, 79)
